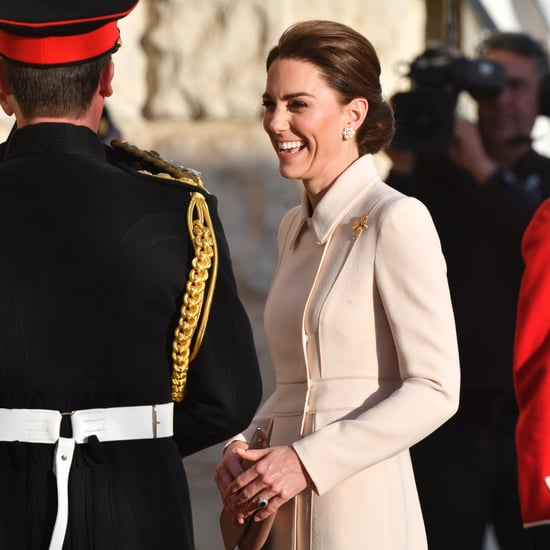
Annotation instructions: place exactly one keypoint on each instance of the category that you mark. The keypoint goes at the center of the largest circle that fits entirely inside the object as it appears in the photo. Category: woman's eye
(296, 104)
(268, 105)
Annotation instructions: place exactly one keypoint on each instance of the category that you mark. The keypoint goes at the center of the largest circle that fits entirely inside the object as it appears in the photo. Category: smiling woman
(306, 126)
(315, 96)
(365, 357)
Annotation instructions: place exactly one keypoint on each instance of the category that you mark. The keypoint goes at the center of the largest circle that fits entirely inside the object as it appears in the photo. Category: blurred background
(189, 80)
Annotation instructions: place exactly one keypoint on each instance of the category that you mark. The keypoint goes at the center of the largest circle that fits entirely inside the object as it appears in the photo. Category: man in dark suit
(123, 343)
(481, 191)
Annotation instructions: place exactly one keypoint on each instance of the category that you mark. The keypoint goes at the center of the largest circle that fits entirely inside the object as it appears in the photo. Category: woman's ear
(357, 111)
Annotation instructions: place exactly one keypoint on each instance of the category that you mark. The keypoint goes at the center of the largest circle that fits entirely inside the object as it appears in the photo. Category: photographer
(481, 191)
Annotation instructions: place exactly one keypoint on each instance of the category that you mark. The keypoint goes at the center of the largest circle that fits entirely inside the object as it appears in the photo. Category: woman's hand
(228, 469)
(276, 476)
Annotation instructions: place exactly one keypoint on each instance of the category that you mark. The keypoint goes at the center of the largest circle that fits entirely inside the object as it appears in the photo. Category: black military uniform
(95, 263)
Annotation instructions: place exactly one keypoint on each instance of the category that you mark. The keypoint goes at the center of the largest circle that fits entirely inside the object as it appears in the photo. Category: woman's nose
(276, 120)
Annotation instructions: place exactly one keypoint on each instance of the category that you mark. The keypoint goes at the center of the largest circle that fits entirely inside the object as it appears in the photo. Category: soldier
(532, 381)
(123, 343)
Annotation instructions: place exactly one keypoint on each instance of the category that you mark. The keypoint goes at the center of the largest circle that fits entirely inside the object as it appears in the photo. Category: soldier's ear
(106, 80)
(4, 91)
(6, 107)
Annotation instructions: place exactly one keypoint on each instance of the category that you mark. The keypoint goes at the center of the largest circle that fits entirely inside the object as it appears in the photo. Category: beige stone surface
(206, 59)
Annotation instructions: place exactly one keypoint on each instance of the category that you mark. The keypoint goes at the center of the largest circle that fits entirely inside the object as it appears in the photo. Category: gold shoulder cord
(195, 308)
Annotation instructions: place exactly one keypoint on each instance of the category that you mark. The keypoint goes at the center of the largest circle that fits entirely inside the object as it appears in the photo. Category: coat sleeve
(410, 277)
(224, 385)
(532, 380)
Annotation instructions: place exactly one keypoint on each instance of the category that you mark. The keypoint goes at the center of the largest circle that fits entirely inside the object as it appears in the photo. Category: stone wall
(205, 60)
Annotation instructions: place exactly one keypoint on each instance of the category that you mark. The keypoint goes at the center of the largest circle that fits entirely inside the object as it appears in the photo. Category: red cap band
(59, 50)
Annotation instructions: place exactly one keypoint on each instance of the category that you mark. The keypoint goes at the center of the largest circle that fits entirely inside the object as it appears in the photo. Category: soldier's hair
(55, 91)
(349, 65)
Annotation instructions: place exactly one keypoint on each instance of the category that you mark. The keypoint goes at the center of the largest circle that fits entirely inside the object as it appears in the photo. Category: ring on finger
(262, 502)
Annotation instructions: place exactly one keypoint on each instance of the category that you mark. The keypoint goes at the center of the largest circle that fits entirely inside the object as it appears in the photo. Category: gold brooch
(359, 225)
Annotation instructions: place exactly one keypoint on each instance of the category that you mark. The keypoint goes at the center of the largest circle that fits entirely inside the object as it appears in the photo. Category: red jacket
(532, 379)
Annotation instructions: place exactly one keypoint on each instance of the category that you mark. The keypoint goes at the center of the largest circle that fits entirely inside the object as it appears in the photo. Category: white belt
(113, 424)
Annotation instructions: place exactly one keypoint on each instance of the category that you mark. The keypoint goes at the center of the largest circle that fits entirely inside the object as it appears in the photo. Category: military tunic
(94, 258)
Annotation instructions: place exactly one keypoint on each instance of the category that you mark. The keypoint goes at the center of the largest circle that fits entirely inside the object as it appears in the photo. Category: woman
(358, 319)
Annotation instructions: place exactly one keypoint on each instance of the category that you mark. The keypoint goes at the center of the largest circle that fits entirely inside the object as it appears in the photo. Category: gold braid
(195, 308)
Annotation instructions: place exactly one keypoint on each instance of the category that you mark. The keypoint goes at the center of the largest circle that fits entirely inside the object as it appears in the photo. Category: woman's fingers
(276, 476)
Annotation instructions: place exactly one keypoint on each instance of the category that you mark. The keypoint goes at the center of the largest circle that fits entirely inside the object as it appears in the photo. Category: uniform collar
(54, 138)
(343, 194)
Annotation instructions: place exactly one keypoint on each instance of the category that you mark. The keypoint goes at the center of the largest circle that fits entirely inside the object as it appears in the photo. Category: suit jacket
(480, 228)
(532, 380)
(366, 364)
(94, 259)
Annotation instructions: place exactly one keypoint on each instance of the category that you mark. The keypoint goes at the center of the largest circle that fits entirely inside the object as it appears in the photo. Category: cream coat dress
(362, 338)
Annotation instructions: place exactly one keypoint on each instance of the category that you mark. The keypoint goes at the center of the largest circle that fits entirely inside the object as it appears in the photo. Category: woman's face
(304, 120)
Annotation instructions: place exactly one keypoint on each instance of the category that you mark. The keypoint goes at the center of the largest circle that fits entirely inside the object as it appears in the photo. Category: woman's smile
(290, 147)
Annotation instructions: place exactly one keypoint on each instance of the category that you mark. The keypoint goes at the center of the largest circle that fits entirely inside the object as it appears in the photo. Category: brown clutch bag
(252, 535)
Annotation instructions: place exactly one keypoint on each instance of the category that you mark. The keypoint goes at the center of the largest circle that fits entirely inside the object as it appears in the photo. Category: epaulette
(150, 162)
(198, 295)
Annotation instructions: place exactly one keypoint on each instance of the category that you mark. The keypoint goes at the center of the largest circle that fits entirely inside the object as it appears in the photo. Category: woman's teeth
(290, 146)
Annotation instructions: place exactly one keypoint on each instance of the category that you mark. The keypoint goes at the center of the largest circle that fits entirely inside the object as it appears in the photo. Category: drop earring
(348, 132)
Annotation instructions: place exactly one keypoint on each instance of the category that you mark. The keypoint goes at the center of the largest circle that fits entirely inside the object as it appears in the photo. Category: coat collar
(54, 138)
(346, 191)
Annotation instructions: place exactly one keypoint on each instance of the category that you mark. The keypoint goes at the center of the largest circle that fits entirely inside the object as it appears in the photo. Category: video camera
(424, 115)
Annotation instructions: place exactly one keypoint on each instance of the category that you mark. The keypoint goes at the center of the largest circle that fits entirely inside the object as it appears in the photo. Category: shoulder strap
(150, 162)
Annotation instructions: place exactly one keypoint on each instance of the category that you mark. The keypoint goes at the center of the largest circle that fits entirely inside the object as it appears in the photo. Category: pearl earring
(348, 132)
